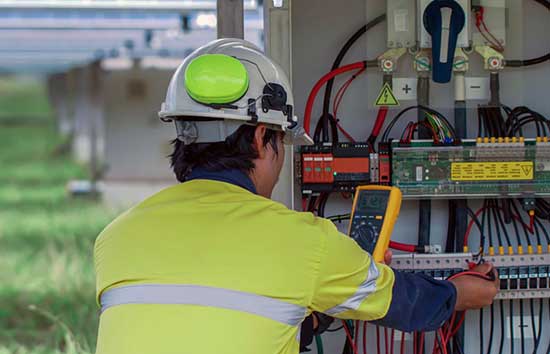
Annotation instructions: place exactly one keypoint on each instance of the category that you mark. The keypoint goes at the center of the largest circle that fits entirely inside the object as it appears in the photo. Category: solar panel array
(47, 36)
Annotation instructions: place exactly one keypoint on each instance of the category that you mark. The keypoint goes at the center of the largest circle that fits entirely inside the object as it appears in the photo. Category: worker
(213, 265)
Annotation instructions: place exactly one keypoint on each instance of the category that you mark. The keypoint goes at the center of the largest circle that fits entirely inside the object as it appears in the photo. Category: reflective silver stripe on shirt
(168, 294)
(365, 289)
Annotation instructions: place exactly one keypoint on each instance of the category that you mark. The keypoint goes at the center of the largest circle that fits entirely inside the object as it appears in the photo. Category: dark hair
(236, 152)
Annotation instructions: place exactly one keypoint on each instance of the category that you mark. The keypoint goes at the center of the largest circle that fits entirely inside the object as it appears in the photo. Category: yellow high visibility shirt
(213, 268)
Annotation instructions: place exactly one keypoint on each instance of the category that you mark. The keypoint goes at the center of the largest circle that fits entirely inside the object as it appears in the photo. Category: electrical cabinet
(480, 141)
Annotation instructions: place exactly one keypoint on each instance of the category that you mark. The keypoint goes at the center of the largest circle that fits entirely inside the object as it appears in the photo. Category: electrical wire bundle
(441, 130)
(323, 128)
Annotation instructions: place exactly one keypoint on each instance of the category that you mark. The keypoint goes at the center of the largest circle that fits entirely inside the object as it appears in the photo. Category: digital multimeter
(375, 211)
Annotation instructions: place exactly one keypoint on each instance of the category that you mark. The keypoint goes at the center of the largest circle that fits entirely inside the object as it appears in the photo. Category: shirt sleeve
(350, 285)
(419, 303)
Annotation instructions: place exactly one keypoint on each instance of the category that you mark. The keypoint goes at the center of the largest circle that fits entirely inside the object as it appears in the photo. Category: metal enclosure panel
(401, 23)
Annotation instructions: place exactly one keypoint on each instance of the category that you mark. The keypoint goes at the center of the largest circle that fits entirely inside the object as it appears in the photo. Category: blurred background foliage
(47, 288)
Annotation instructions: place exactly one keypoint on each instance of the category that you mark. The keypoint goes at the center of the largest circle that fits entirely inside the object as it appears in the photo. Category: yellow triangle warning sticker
(386, 97)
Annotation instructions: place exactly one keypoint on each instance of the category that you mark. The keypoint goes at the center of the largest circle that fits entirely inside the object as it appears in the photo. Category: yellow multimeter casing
(374, 213)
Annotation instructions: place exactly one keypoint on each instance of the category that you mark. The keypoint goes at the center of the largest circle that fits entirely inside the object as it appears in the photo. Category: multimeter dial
(365, 235)
(368, 218)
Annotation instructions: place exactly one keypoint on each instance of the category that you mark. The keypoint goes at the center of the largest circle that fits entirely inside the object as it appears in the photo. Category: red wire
(450, 325)
(402, 351)
(402, 247)
(338, 99)
(392, 338)
(443, 342)
(380, 118)
(469, 272)
(320, 83)
(342, 91)
(350, 339)
(422, 342)
(346, 134)
(415, 346)
(364, 337)
(458, 325)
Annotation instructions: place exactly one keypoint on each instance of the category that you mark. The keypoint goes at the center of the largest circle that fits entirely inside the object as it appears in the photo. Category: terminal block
(521, 276)
(486, 167)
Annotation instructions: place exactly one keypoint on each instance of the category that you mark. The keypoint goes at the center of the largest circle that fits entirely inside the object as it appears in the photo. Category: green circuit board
(472, 169)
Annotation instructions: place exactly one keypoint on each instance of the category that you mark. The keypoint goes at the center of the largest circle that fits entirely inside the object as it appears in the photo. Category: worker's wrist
(455, 301)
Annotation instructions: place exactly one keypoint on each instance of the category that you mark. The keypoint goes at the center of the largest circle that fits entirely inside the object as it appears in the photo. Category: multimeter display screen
(373, 202)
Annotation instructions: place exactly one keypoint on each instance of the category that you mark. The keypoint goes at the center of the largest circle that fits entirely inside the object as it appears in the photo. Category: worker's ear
(259, 134)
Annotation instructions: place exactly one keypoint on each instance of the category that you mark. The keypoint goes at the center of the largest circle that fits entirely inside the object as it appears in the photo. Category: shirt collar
(235, 177)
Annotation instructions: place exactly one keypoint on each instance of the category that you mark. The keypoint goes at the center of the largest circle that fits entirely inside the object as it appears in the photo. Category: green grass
(23, 100)
(47, 279)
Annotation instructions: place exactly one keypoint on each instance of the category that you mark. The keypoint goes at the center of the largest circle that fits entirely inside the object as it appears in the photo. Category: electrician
(212, 265)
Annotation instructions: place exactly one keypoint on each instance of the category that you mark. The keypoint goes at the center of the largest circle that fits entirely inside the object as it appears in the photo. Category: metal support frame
(230, 18)
(278, 45)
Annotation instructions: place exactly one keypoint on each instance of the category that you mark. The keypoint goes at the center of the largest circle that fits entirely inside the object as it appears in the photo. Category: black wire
(339, 217)
(534, 61)
(451, 227)
(323, 204)
(501, 221)
(522, 332)
(480, 228)
(548, 349)
(511, 327)
(501, 345)
(533, 325)
(516, 230)
(491, 329)
(544, 231)
(481, 331)
(311, 204)
(458, 345)
(525, 231)
(497, 227)
(537, 233)
(335, 329)
(489, 229)
(335, 65)
(483, 219)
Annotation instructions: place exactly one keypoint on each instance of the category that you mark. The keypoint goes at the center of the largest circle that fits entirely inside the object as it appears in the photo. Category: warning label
(386, 97)
(492, 171)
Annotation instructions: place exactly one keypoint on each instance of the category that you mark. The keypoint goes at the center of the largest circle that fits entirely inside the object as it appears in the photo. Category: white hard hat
(225, 84)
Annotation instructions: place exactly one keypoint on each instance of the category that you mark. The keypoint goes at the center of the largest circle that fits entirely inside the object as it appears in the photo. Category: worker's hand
(473, 292)
(387, 258)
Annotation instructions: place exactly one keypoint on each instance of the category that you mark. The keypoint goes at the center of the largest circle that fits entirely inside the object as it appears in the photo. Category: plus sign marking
(405, 88)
